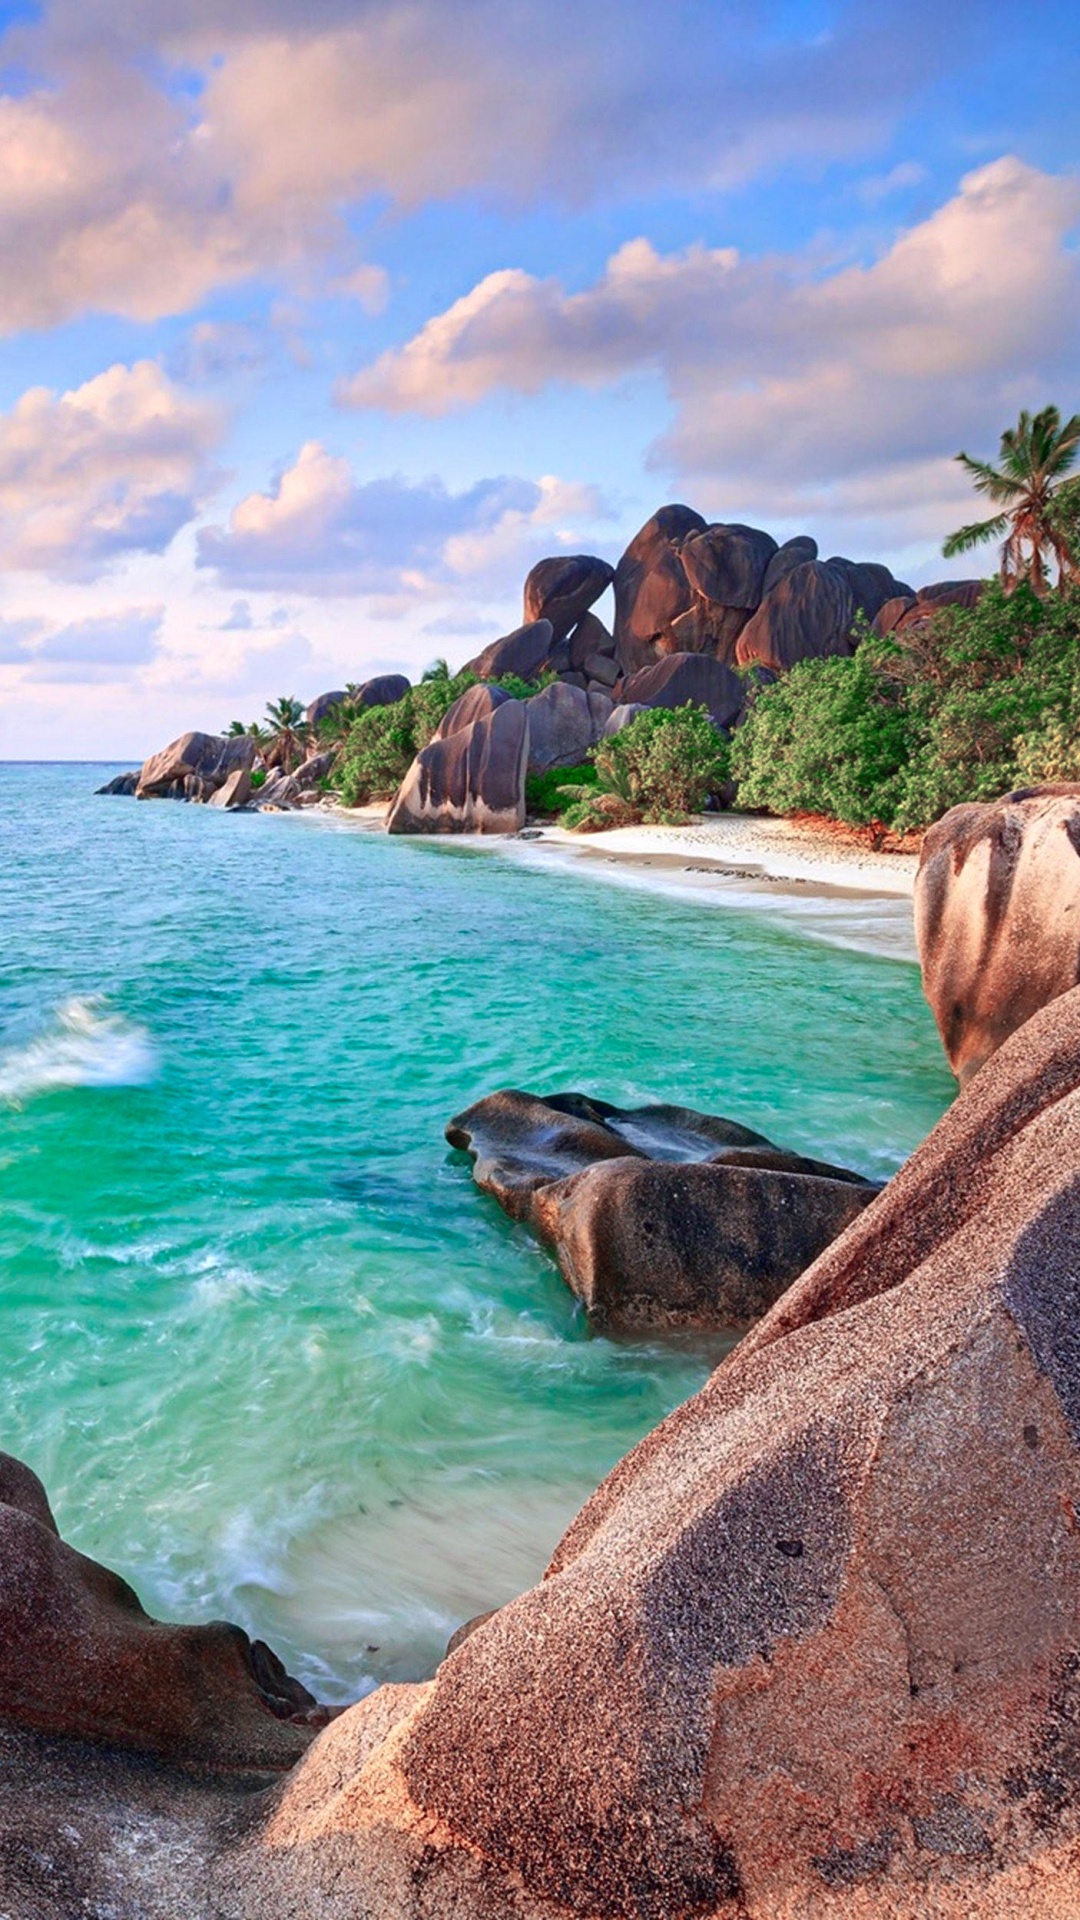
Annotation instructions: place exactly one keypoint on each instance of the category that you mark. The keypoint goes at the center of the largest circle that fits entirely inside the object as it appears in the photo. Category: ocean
(274, 1356)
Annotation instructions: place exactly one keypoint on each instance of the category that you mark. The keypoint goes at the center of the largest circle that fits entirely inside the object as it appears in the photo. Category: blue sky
(323, 322)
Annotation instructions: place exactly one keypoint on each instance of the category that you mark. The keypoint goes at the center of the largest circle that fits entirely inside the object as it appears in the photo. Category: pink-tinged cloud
(111, 468)
(321, 531)
(786, 380)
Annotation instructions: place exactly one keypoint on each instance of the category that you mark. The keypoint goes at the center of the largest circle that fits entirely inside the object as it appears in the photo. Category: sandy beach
(819, 883)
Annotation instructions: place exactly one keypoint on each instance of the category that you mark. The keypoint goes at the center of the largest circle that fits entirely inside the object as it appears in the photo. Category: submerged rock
(471, 780)
(643, 1236)
(997, 917)
(813, 1648)
(80, 1657)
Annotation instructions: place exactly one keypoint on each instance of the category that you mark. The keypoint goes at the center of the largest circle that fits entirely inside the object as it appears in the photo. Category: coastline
(822, 886)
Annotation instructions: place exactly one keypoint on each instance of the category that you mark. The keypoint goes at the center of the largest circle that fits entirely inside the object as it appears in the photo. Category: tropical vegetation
(1026, 488)
(661, 768)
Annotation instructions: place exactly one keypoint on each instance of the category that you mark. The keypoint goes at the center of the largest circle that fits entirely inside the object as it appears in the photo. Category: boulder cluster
(693, 601)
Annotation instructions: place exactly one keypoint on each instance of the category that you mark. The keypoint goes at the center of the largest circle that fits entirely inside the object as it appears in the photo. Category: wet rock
(808, 613)
(651, 1245)
(651, 587)
(79, 1657)
(561, 727)
(235, 794)
(658, 1216)
(563, 589)
(125, 783)
(524, 652)
(471, 780)
(680, 677)
(997, 917)
(194, 766)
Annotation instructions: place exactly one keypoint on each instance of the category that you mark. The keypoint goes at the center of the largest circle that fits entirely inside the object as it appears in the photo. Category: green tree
(285, 724)
(1035, 456)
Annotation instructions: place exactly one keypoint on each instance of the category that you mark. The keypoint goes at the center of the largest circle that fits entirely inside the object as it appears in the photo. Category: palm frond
(988, 480)
(974, 535)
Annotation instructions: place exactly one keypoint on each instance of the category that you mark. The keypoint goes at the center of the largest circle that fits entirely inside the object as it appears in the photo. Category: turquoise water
(273, 1355)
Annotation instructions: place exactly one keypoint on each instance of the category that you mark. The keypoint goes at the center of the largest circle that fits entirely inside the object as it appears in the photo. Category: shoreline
(824, 887)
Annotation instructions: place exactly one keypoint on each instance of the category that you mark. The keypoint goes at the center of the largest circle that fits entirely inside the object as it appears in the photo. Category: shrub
(546, 792)
(660, 768)
(972, 703)
(383, 741)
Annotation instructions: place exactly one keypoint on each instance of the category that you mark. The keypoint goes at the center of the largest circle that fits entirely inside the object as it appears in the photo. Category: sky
(321, 321)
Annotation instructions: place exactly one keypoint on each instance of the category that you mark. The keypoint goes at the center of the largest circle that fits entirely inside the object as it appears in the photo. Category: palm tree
(285, 719)
(438, 670)
(1035, 456)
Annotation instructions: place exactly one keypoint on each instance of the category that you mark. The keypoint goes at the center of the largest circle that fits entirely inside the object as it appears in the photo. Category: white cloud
(789, 382)
(122, 190)
(881, 186)
(322, 531)
(115, 466)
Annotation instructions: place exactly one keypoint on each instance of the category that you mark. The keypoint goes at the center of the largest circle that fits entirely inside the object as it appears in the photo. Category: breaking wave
(84, 1046)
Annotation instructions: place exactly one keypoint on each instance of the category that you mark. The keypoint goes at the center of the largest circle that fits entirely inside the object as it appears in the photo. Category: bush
(384, 741)
(975, 702)
(546, 792)
(661, 768)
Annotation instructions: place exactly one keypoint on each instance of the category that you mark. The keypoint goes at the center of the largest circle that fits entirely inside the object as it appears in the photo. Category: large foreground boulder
(194, 766)
(563, 589)
(470, 779)
(997, 917)
(79, 1657)
(812, 1651)
(657, 1216)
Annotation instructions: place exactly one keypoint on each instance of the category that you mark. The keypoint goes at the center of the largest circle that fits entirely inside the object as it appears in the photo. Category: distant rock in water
(658, 1216)
(997, 917)
(235, 794)
(194, 766)
(79, 1657)
(121, 783)
(470, 780)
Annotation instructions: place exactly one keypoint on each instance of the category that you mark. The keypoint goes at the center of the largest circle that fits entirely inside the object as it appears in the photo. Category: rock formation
(907, 609)
(79, 1657)
(563, 589)
(651, 587)
(524, 652)
(657, 1216)
(812, 1651)
(470, 779)
(679, 677)
(808, 613)
(235, 793)
(562, 727)
(125, 783)
(997, 917)
(194, 766)
(382, 691)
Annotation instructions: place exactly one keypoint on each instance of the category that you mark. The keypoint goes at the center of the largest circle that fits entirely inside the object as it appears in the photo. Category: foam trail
(85, 1046)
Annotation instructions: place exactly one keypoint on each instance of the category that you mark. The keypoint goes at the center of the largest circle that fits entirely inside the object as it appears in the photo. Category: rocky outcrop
(194, 766)
(316, 768)
(812, 1651)
(470, 780)
(657, 1216)
(997, 917)
(680, 677)
(563, 589)
(908, 609)
(236, 792)
(476, 703)
(621, 716)
(808, 613)
(79, 1657)
(562, 727)
(651, 587)
(384, 690)
(590, 640)
(124, 783)
(524, 652)
(324, 704)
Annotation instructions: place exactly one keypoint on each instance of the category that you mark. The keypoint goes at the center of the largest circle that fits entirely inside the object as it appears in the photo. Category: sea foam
(84, 1045)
